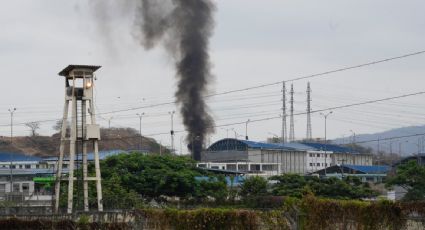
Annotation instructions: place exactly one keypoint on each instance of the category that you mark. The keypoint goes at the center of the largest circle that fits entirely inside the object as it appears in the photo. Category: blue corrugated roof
(263, 145)
(90, 156)
(6, 157)
(298, 146)
(369, 169)
(4, 171)
(328, 147)
(236, 144)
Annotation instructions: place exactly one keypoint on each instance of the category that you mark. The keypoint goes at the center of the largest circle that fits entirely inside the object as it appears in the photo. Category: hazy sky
(254, 43)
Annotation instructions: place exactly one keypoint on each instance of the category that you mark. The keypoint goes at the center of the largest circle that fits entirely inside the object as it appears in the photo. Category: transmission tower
(309, 135)
(283, 113)
(291, 130)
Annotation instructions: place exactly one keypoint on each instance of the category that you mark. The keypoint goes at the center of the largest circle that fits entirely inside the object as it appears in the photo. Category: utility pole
(11, 111)
(283, 113)
(246, 129)
(236, 134)
(326, 144)
(291, 129)
(109, 122)
(140, 115)
(309, 134)
(172, 130)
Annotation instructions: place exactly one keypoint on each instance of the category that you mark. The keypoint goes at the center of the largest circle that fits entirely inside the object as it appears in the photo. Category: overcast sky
(254, 43)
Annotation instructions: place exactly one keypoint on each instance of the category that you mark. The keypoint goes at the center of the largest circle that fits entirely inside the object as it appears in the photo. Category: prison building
(300, 158)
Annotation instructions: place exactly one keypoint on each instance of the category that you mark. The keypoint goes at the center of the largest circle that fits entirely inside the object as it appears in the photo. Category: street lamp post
(140, 115)
(172, 130)
(246, 129)
(326, 154)
(11, 111)
(236, 134)
(109, 122)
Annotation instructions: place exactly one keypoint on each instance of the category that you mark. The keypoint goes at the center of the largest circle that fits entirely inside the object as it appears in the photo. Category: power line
(279, 82)
(322, 73)
(332, 108)
(390, 138)
(258, 86)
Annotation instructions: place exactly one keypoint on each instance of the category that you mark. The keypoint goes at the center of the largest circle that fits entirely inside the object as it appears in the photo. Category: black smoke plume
(184, 28)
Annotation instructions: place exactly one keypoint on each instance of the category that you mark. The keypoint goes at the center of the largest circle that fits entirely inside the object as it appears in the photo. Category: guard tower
(83, 130)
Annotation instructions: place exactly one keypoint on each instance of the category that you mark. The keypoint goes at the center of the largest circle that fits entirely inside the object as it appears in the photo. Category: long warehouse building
(300, 158)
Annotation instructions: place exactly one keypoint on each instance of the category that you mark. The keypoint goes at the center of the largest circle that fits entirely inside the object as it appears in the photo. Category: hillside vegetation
(113, 138)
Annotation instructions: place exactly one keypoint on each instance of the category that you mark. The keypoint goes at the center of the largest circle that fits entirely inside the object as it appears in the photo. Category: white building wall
(317, 160)
(353, 159)
(23, 164)
(20, 183)
(290, 161)
(255, 156)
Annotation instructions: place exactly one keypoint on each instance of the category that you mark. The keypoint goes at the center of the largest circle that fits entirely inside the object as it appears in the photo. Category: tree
(296, 186)
(410, 176)
(153, 176)
(253, 187)
(291, 185)
(33, 126)
(58, 126)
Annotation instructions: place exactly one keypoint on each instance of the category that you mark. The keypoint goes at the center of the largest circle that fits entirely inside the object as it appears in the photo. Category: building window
(311, 164)
(231, 167)
(318, 164)
(311, 154)
(2, 188)
(318, 155)
(37, 166)
(13, 166)
(16, 187)
(27, 166)
(26, 188)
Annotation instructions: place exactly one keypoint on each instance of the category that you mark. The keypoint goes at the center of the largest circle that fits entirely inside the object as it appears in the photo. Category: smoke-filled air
(184, 28)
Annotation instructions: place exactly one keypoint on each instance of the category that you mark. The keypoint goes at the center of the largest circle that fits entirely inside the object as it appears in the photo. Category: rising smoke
(183, 27)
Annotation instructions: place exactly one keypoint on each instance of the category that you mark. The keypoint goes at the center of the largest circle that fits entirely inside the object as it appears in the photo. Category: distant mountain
(389, 142)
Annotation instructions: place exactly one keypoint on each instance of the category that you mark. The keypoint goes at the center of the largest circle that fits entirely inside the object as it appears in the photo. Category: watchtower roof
(65, 72)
